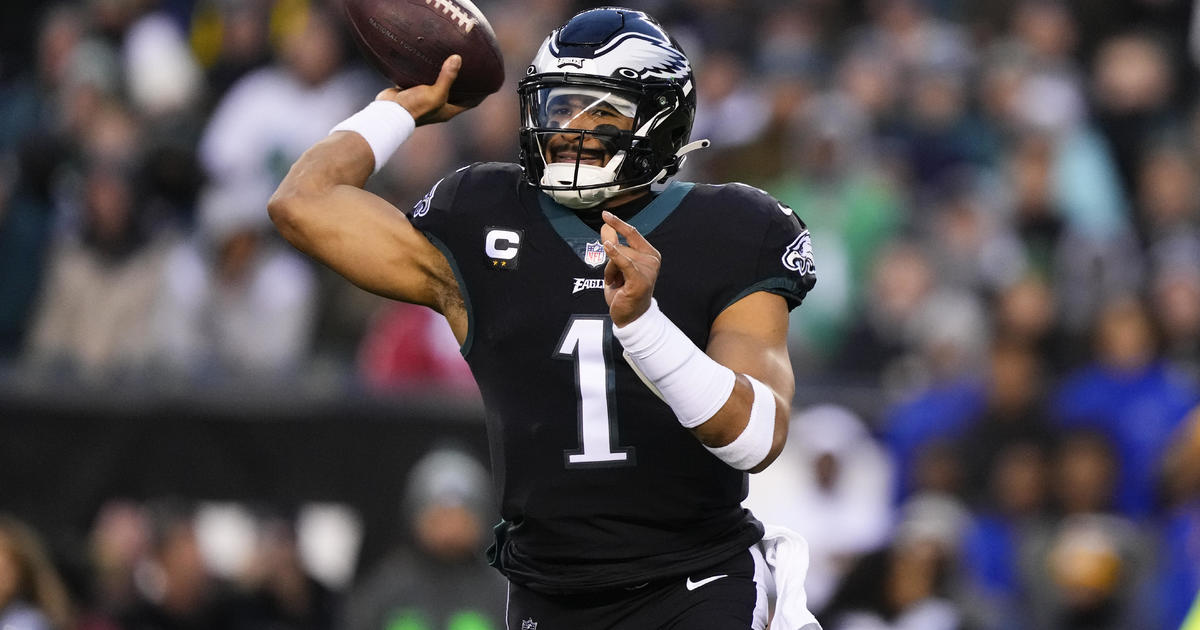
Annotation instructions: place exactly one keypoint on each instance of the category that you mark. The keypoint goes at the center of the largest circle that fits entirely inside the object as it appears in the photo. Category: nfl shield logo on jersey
(528, 624)
(593, 254)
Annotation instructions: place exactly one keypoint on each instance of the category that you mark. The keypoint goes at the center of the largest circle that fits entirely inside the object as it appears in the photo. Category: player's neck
(624, 206)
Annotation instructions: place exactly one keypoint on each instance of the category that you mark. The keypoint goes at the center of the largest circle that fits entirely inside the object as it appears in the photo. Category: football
(407, 41)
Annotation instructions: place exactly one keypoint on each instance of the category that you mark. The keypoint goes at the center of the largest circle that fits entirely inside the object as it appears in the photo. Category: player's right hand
(427, 103)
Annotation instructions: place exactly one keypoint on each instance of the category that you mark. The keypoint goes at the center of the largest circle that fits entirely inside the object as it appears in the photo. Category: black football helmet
(629, 79)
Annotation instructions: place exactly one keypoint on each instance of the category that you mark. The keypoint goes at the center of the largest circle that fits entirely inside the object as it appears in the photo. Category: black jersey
(599, 484)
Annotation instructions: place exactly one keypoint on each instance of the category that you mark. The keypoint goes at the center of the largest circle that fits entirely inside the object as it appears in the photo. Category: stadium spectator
(1168, 204)
(31, 150)
(910, 584)
(936, 383)
(1176, 307)
(237, 302)
(1091, 566)
(1000, 544)
(162, 77)
(117, 546)
(883, 333)
(973, 249)
(435, 576)
(871, 79)
(26, 223)
(1026, 312)
(409, 347)
(230, 40)
(737, 110)
(1093, 580)
(175, 589)
(277, 590)
(1044, 36)
(96, 314)
(32, 594)
(1134, 88)
(1132, 396)
(269, 116)
(831, 173)
(1177, 578)
(1014, 414)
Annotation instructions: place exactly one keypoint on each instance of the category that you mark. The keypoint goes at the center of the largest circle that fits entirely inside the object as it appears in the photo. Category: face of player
(591, 111)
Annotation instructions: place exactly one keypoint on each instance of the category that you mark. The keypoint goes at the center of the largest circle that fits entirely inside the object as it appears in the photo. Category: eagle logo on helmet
(633, 56)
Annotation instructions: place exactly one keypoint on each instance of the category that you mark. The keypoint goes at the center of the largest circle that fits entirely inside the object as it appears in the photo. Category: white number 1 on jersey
(587, 341)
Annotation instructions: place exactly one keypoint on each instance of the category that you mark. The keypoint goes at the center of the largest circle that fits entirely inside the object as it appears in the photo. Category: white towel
(786, 555)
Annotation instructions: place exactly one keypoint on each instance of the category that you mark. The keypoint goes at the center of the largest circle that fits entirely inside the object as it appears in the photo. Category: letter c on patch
(502, 244)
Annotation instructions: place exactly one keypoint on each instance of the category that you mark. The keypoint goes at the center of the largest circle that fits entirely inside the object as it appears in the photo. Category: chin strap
(680, 154)
(692, 146)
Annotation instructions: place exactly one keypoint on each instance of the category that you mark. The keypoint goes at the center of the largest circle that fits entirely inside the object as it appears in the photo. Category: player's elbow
(281, 208)
(778, 440)
(287, 210)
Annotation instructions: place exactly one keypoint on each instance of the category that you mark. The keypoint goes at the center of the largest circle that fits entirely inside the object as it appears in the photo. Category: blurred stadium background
(997, 421)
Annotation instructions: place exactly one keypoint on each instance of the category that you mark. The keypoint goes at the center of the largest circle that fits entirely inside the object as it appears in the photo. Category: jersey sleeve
(784, 262)
(433, 214)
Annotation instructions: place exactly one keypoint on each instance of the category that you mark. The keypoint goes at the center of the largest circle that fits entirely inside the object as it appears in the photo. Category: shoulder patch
(421, 208)
(798, 256)
(503, 247)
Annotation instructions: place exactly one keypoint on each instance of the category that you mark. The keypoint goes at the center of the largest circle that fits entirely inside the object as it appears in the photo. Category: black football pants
(722, 597)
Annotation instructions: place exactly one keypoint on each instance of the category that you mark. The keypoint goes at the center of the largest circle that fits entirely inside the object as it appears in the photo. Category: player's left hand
(631, 271)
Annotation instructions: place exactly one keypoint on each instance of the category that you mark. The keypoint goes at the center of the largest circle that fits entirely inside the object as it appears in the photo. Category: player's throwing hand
(631, 271)
(427, 103)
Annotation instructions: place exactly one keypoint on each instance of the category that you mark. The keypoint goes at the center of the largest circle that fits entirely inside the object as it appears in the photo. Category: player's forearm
(738, 417)
(734, 417)
(342, 158)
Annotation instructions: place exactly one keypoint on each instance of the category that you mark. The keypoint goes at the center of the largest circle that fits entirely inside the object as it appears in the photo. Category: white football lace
(464, 19)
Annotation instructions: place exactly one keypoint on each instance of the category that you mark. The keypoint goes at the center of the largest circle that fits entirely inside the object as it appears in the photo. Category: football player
(628, 333)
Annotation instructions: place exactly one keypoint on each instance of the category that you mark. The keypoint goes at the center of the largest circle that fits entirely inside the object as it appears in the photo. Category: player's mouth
(571, 148)
(587, 156)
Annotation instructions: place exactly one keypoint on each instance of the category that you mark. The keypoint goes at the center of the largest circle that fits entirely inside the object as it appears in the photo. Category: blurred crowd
(1004, 198)
(176, 564)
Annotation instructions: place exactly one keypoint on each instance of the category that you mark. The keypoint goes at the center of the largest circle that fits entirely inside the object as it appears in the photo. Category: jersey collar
(572, 229)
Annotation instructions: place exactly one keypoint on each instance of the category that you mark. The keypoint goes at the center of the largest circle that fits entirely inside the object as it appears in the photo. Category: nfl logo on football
(593, 254)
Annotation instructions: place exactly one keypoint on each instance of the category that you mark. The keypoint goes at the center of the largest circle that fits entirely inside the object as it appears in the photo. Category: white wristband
(753, 444)
(694, 385)
(385, 125)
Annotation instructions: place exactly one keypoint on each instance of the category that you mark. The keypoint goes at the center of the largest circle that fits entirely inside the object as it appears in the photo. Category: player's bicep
(750, 337)
(369, 242)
